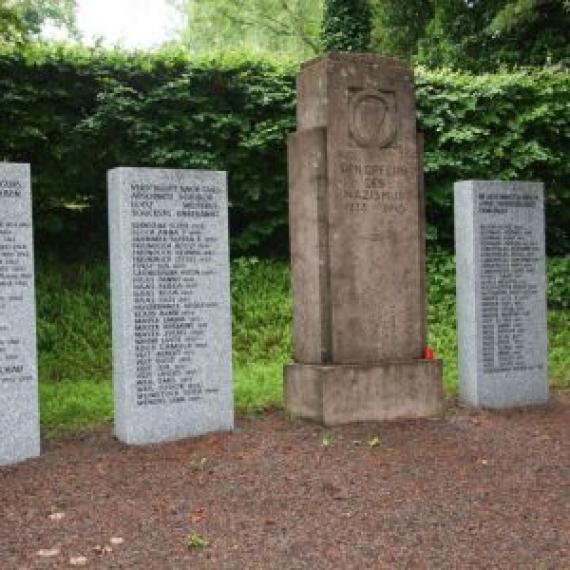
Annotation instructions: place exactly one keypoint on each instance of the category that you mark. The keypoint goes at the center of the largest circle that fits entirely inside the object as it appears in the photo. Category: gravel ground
(471, 490)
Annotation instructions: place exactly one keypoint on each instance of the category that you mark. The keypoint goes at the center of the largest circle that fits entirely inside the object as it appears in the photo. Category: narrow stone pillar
(170, 292)
(501, 293)
(357, 246)
(19, 409)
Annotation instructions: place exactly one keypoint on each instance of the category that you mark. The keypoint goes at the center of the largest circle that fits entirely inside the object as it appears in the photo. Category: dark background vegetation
(74, 113)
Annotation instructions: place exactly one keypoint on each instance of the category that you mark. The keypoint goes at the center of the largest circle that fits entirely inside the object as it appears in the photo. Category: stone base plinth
(345, 393)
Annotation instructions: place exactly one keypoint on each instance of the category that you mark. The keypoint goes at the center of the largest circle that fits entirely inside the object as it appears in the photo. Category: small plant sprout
(195, 542)
(328, 441)
(374, 441)
(199, 464)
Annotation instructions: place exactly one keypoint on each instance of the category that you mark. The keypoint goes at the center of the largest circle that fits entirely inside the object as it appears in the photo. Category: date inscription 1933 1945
(372, 187)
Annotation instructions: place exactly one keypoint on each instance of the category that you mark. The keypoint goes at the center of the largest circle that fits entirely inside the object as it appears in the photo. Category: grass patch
(74, 335)
(559, 348)
(73, 405)
(258, 386)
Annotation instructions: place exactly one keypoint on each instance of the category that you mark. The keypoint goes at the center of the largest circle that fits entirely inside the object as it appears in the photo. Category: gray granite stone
(501, 293)
(19, 413)
(172, 353)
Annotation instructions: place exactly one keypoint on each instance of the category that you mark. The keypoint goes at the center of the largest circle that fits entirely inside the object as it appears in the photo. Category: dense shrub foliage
(512, 126)
(347, 25)
(75, 113)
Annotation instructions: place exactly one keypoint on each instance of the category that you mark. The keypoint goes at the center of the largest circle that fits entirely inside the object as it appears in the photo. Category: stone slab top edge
(10, 163)
(513, 183)
(140, 169)
(357, 57)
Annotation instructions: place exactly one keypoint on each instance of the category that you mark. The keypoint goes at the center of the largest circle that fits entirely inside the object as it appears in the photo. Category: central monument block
(357, 246)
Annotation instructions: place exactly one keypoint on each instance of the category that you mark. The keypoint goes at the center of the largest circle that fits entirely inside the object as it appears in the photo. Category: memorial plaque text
(170, 242)
(501, 293)
(19, 417)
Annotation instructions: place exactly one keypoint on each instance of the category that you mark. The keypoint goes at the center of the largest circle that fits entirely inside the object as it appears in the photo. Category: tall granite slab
(357, 241)
(172, 353)
(19, 412)
(501, 293)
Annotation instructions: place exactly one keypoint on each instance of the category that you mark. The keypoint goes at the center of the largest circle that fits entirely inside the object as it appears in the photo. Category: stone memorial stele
(501, 293)
(357, 245)
(172, 372)
(19, 412)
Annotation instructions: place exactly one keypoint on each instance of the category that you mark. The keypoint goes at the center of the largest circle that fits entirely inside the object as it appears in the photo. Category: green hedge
(511, 126)
(75, 113)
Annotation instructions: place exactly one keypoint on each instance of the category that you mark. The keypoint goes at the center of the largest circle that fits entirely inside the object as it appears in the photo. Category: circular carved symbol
(372, 118)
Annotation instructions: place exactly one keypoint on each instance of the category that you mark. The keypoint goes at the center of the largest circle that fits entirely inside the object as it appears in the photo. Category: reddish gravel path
(473, 490)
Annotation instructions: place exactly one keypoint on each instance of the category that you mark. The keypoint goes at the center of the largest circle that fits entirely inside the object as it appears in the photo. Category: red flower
(428, 353)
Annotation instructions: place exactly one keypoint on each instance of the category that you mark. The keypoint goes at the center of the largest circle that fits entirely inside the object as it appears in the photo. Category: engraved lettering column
(171, 303)
(501, 293)
(357, 244)
(19, 413)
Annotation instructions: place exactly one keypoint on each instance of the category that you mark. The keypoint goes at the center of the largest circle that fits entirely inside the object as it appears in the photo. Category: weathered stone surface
(356, 225)
(19, 413)
(501, 293)
(356, 213)
(171, 303)
(345, 393)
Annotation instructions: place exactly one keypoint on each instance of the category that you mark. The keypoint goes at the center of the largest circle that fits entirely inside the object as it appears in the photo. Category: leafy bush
(347, 25)
(75, 113)
(511, 126)
(558, 274)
